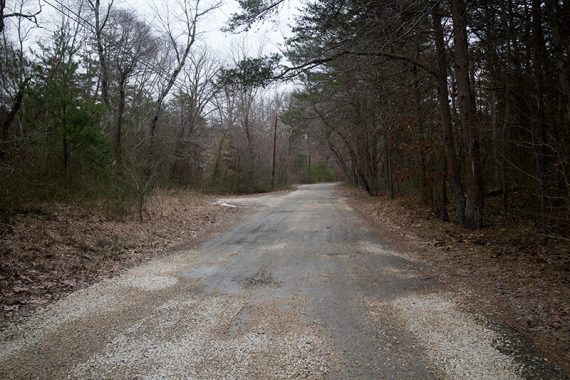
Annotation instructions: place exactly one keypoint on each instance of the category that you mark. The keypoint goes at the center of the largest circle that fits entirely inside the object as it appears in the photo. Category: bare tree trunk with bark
(475, 195)
(452, 165)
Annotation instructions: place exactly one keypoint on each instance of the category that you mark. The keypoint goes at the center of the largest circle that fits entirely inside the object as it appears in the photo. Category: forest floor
(50, 250)
(505, 271)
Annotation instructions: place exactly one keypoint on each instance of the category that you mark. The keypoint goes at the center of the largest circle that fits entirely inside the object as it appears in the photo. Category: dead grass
(506, 270)
(48, 250)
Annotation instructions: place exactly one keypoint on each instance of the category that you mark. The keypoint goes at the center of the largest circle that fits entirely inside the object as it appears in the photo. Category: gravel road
(300, 289)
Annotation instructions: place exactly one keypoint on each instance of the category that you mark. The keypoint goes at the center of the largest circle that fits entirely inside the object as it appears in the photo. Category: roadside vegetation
(55, 248)
(99, 107)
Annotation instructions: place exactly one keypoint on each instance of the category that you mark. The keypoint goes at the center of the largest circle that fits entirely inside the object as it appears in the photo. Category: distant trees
(110, 106)
(410, 92)
(247, 116)
(450, 100)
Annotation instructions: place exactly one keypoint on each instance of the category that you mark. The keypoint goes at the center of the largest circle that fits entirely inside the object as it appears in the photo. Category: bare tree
(191, 105)
(473, 168)
(131, 45)
(188, 16)
(453, 173)
(101, 15)
(14, 66)
(21, 11)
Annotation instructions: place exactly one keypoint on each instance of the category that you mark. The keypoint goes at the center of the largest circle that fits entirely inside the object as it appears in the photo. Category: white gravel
(190, 338)
(455, 342)
(73, 307)
(152, 282)
(181, 333)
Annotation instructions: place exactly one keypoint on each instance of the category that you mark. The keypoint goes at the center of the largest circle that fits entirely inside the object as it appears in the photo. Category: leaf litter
(49, 250)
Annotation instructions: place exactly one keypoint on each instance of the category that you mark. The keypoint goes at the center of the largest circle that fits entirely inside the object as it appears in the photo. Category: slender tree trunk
(389, 173)
(539, 121)
(119, 126)
(452, 165)
(274, 152)
(444, 215)
(65, 157)
(11, 117)
(506, 119)
(421, 139)
(2, 6)
(99, 25)
(475, 194)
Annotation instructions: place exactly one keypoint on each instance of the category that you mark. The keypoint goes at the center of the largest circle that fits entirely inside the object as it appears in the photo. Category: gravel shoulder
(522, 304)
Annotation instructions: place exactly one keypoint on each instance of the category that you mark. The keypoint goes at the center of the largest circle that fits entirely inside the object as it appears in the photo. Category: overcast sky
(267, 36)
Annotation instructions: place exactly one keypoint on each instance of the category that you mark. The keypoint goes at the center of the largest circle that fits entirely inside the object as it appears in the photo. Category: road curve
(301, 289)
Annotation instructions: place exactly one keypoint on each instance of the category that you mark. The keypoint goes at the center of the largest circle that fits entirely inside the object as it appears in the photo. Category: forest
(455, 102)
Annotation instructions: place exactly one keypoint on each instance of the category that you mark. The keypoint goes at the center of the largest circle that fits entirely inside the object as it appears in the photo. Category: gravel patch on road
(181, 333)
(456, 343)
(152, 282)
(75, 306)
(210, 337)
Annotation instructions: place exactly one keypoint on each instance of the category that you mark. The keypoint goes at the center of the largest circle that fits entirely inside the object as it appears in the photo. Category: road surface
(300, 289)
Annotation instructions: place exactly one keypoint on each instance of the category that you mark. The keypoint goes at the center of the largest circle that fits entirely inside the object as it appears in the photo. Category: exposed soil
(505, 271)
(49, 250)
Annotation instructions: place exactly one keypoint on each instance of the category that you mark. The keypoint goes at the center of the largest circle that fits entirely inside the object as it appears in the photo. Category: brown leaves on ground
(506, 270)
(52, 249)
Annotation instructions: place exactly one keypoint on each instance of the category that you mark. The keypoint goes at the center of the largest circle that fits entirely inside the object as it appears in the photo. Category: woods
(100, 106)
(418, 97)
(452, 101)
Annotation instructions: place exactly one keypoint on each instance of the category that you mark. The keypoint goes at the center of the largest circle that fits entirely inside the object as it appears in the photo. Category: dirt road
(301, 289)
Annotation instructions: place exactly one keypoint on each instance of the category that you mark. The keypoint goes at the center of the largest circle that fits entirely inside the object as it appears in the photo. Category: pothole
(261, 279)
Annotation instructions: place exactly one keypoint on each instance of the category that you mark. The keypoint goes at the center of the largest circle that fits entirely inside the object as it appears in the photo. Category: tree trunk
(101, 53)
(421, 140)
(475, 195)
(2, 6)
(65, 157)
(453, 173)
(119, 126)
(274, 152)
(389, 173)
(539, 122)
(444, 215)
(506, 119)
(11, 117)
